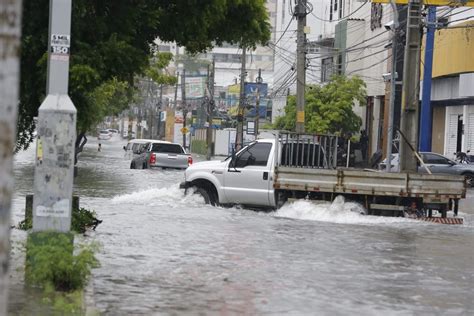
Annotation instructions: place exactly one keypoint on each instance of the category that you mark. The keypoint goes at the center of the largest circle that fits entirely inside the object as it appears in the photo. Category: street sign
(447, 3)
(184, 130)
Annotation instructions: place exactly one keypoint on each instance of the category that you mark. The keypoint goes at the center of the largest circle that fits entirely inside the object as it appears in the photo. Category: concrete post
(239, 136)
(10, 29)
(257, 103)
(393, 79)
(54, 163)
(183, 104)
(210, 110)
(410, 92)
(300, 13)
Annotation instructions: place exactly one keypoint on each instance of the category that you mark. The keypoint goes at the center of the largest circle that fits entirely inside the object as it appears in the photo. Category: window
(167, 148)
(435, 159)
(254, 155)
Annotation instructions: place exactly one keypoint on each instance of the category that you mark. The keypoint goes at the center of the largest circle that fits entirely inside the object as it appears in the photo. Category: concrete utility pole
(160, 107)
(257, 102)
(239, 137)
(426, 121)
(10, 31)
(56, 131)
(210, 110)
(184, 105)
(300, 14)
(410, 92)
(176, 92)
(393, 85)
(150, 107)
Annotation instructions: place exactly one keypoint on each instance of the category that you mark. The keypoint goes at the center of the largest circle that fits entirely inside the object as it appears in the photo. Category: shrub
(81, 220)
(51, 261)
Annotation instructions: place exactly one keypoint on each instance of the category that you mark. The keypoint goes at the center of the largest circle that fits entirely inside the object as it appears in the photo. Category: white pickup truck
(267, 172)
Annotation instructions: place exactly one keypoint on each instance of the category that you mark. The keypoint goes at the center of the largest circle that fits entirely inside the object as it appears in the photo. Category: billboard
(196, 87)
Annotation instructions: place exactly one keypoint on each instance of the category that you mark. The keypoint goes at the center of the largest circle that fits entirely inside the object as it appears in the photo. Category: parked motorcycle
(464, 157)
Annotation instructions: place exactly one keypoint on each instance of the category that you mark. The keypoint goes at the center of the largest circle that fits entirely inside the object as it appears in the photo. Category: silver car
(161, 154)
(437, 164)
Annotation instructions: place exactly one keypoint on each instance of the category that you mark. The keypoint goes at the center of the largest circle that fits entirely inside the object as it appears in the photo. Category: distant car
(161, 154)
(104, 134)
(133, 147)
(437, 164)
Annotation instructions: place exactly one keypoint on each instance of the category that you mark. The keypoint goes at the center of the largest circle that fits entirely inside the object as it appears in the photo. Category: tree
(328, 108)
(111, 45)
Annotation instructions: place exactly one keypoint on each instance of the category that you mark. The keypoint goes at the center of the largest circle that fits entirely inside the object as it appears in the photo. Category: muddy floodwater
(163, 253)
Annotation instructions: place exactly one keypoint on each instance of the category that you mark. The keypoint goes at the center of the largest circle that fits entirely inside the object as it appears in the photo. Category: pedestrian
(100, 147)
(364, 144)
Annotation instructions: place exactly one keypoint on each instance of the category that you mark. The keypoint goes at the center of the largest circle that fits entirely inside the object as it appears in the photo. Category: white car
(132, 148)
(104, 134)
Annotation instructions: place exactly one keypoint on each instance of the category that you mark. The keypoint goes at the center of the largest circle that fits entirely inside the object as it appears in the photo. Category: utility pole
(210, 109)
(300, 14)
(150, 105)
(393, 85)
(160, 106)
(257, 103)
(239, 137)
(426, 121)
(54, 162)
(176, 92)
(184, 105)
(10, 32)
(410, 92)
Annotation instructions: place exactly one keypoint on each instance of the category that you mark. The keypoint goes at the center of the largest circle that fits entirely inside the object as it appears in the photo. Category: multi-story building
(452, 91)
(361, 48)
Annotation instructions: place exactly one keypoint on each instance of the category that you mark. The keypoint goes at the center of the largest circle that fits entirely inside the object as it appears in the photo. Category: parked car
(161, 154)
(104, 134)
(437, 164)
(113, 130)
(133, 147)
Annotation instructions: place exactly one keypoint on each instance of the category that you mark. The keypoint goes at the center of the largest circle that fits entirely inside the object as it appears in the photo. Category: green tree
(328, 108)
(111, 45)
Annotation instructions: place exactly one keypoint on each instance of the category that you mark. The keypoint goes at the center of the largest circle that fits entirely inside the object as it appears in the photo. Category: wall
(437, 135)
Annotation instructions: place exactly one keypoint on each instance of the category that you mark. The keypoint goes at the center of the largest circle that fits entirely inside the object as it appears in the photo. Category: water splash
(339, 211)
(153, 196)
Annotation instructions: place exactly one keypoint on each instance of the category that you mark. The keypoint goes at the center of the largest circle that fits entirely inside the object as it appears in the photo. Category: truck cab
(244, 178)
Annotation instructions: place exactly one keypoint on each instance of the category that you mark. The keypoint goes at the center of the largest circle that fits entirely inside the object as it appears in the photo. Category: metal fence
(307, 150)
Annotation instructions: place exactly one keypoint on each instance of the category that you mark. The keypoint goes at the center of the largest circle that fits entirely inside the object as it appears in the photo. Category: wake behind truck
(268, 172)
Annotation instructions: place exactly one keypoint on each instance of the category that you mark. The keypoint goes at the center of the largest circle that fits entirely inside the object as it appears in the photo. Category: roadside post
(10, 31)
(54, 161)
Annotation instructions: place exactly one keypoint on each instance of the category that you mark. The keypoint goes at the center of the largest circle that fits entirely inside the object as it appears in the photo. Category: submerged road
(164, 253)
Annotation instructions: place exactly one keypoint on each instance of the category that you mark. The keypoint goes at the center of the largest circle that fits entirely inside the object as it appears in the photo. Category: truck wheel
(144, 166)
(469, 179)
(206, 195)
(132, 165)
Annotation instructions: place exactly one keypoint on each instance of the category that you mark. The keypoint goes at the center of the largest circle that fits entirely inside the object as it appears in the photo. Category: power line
(340, 19)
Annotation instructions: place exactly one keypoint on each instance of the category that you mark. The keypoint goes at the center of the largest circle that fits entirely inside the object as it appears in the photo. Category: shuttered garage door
(451, 137)
(470, 133)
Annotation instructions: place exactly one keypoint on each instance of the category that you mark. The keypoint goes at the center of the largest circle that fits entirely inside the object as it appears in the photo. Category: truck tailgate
(370, 182)
(170, 160)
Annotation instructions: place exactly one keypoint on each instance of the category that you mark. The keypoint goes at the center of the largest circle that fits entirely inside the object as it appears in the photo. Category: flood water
(164, 253)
